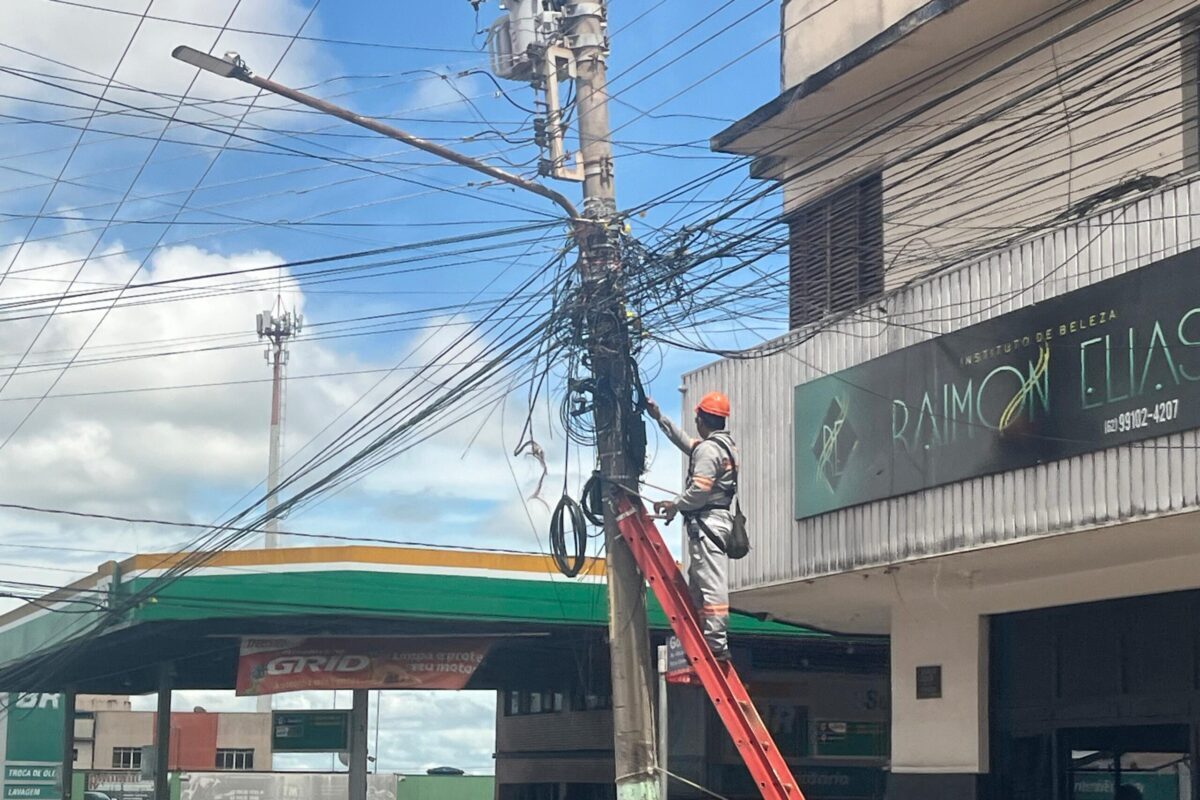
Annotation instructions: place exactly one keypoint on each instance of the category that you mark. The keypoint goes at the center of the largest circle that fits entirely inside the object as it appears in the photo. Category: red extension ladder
(767, 767)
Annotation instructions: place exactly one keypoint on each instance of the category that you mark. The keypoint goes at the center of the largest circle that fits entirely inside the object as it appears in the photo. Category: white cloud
(96, 41)
(141, 452)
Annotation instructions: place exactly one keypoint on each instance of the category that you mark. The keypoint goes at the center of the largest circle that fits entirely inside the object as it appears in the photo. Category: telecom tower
(277, 326)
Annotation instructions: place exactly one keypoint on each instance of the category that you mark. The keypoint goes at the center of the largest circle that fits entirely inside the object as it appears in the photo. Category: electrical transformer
(529, 23)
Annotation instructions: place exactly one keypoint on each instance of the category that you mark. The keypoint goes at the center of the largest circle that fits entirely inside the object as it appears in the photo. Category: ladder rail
(754, 743)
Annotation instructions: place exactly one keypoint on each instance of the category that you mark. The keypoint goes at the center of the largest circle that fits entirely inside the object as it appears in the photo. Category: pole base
(641, 787)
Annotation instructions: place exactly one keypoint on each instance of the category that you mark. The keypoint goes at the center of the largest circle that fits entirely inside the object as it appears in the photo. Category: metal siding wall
(1118, 484)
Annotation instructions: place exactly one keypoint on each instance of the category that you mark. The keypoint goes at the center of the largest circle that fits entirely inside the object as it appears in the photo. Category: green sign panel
(17, 772)
(13, 791)
(32, 734)
(1112, 363)
(851, 739)
(35, 728)
(310, 731)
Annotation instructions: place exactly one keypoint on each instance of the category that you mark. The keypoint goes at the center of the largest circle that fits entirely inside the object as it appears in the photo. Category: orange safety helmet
(714, 403)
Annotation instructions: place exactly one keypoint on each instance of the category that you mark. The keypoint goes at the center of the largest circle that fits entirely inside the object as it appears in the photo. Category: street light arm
(235, 69)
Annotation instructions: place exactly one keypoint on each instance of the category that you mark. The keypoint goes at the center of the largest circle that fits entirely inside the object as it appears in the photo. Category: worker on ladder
(705, 505)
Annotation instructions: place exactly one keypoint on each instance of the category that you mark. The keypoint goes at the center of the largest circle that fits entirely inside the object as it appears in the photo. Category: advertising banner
(271, 665)
(1109, 364)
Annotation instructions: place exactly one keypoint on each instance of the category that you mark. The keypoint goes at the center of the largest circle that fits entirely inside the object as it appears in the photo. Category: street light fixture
(231, 66)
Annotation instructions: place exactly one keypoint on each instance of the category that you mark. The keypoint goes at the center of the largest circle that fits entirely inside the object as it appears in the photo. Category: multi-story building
(109, 736)
(87, 707)
(986, 401)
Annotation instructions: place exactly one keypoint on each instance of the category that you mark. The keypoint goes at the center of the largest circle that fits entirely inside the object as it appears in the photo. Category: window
(522, 702)
(835, 252)
(513, 707)
(596, 697)
(235, 759)
(597, 702)
(127, 758)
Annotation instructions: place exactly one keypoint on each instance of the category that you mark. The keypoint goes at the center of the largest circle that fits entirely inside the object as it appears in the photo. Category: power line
(272, 34)
(75, 145)
(37, 404)
(299, 534)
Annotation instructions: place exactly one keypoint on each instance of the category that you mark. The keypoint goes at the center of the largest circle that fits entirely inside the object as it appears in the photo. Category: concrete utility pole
(609, 348)
(608, 338)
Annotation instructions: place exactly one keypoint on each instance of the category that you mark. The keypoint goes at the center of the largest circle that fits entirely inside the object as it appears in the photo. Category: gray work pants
(708, 578)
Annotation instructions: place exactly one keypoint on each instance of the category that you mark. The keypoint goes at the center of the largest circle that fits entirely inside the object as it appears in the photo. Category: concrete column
(66, 775)
(939, 743)
(358, 745)
(162, 735)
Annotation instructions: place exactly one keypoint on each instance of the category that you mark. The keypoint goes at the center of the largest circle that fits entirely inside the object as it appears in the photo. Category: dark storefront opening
(1097, 702)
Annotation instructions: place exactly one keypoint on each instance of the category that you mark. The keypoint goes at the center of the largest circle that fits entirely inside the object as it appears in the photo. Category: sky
(160, 409)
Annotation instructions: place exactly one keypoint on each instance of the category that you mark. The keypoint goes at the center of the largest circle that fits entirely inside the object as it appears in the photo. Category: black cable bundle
(568, 564)
(592, 501)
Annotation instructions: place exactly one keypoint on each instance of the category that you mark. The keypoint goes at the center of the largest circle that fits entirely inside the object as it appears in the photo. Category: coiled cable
(569, 564)
(592, 501)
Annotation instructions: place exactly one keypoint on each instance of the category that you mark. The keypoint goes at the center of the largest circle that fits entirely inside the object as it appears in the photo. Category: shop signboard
(270, 665)
(679, 669)
(31, 741)
(1112, 363)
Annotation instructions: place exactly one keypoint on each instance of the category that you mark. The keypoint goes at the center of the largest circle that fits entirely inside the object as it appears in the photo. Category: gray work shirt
(710, 471)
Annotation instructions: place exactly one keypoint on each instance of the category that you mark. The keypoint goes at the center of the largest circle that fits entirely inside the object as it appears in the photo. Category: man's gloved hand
(653, 410)
(667, 508)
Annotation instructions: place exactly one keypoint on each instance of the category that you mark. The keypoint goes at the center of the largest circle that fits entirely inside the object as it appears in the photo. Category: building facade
(823, 698)
(110, 739)
(986, 400)
(86, 707)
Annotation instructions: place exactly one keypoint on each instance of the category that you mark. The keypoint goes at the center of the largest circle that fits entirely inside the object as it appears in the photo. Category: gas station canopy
(88, 638)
